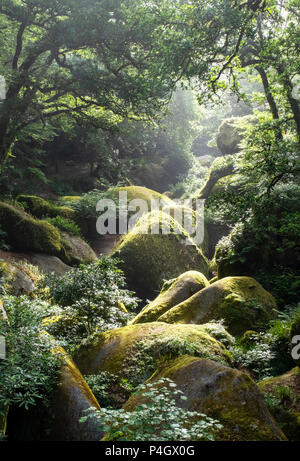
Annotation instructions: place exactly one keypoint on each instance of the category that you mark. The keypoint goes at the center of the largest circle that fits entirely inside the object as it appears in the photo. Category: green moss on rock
(41, 208)
(231, 132)
(135, 351)
(173, 292)
(222, 393)
(26, 233)
(17, 279)
(241, 301)
(149, 259)
(138, 193)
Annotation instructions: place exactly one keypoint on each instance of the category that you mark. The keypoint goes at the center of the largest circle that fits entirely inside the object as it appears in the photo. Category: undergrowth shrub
(156, 418)
(92, 297)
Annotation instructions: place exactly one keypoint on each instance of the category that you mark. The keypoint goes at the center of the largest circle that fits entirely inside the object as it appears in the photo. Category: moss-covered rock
(222, 393)
(59, 421)
(173, 292)
(78, 250)
(41, 208)
(282, 395)
(17, 279)
(134, 352)
(241, 301)
(231, 132)
(149, 259)
(25, 234)
(138, 193)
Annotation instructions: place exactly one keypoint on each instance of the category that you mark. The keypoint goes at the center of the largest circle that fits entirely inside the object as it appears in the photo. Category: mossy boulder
(222, 393)
(28, 234)
(231, 132)
(139, 193)
(135, 351)
(241, 301)
(282, 395)
(86, 214)
(41, 208)
(17, 279)
(59, 421)
(78, 250)
(173, 292)
(150, 258)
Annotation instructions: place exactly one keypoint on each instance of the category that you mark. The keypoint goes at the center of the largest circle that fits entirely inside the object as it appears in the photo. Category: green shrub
(268, 353)
(65, 225)
(91, 297)
(157, 418)
(107, 388)
(30, 370)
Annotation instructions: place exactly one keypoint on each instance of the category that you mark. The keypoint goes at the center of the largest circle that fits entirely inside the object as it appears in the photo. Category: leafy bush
(86, 207)
(65, 225)
(30, 370)
(92, 298)
(157, 418)
(282, 402)
(108, 389)
(268, 353)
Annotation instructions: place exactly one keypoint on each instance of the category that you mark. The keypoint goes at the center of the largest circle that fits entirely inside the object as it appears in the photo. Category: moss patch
(26, 233)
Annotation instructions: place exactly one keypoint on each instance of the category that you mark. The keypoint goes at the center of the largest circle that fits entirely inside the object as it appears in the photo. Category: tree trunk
(294, 104)
(268, 92)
